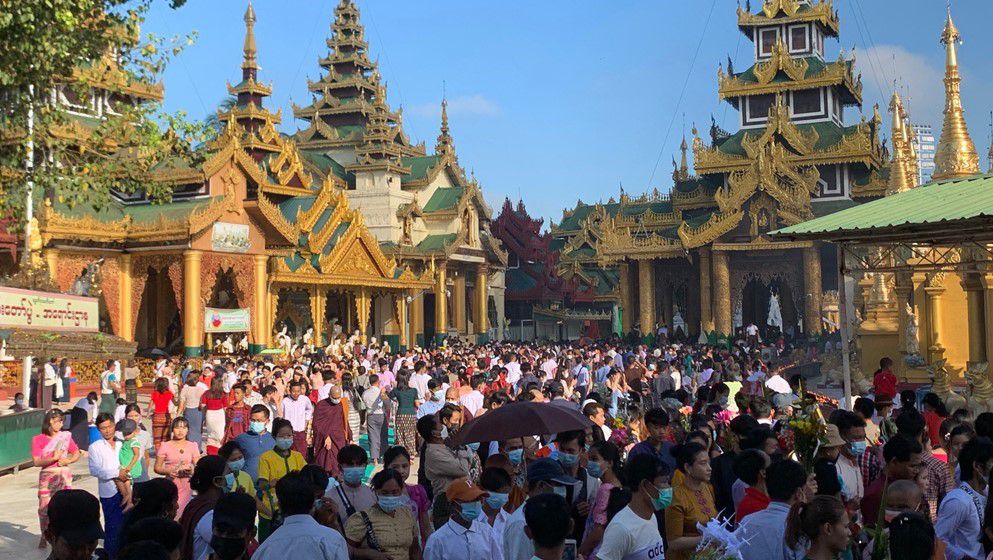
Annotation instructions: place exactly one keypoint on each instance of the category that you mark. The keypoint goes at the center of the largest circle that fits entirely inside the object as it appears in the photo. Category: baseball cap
(75, 516)
(834, 438)
(126, 426)
(462, 490)
(550, 470)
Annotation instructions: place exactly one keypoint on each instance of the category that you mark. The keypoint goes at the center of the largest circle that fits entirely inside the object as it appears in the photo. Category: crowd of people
(356, 456)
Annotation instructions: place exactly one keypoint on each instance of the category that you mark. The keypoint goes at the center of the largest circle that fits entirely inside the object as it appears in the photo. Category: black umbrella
(519, 419)
(153, 353)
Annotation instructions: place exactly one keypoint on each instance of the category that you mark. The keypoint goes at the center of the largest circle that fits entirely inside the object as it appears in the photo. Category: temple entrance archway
(158, 319)
(757, 300)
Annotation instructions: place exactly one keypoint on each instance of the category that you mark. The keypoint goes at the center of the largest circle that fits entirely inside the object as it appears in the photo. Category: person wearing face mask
(274, 465)
(442, 464)
(352, 496)
(852, 430)
(603, 461)
(235, 477)
(763, 531)
(387, 529)
(960, 516)
(232, 527)
(496, 482)
(466, 535)
(544, 476)
(570, 445)
(633, 531)
(256, 441)
(331, 431)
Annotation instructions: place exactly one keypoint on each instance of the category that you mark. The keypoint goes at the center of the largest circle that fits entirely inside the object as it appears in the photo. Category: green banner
(226, 320)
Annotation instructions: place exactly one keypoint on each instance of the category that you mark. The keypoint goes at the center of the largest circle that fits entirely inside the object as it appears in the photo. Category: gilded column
(363, 303)
(902, 291)
(646, 295)
(667, 304)
(192, 305)
(976, 307)
(125, 307)
(987, 282)
(812, 287)
(440, 304)
(459, 303)
(416, 318)
(722, 293)
(400, 301)
(260, 317)
(482, 300)
(706, 309)
(317, 305)
(934, 292)
(52, 260)
(624, 285)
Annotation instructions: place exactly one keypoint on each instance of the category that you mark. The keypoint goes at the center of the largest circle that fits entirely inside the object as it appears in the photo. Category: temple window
(799, 38)
(513, 261)
(767, 40)
(757, 108)
(807, 102)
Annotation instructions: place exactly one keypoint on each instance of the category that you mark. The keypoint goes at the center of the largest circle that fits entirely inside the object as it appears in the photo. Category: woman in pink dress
(175, 459)
(53, 450)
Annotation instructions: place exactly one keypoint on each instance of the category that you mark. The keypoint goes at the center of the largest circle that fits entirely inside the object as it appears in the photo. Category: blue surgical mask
(389, 503)
(560, 490)
(471, 510)
(663, 500)
(229, 480)
(497, 500)
(236, 465)
(284, 443)
(516, 456)
(857, 447)
(474, 446)
(353, 475)
(594, 469)
(568, 460)
(256, 427)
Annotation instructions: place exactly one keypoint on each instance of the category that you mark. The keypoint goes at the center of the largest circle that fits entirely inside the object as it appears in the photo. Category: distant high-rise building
(924, 146)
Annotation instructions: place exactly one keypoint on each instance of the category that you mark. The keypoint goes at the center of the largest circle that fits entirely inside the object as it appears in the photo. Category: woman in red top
(214, 401)
(934, 414)
(161, 398)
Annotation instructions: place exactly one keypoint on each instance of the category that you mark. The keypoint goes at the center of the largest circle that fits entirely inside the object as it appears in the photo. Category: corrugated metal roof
(944, 203)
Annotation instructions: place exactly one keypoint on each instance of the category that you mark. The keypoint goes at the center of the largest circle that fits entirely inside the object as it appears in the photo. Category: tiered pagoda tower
(792, 158)
(422, 207)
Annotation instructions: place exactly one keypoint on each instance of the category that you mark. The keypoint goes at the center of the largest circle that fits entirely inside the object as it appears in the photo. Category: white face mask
(444, 432)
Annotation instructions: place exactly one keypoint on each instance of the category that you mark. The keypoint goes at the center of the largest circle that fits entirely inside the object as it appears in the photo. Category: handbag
(370, 534)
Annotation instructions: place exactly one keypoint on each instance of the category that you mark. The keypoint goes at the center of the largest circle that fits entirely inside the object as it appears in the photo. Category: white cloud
(476, 104)
(918, 81)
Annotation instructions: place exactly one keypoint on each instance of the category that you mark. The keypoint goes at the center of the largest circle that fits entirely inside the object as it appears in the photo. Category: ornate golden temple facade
(345, 227)
(699, 257)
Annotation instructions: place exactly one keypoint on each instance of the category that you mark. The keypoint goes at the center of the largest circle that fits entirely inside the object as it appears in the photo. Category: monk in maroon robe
(331, 431)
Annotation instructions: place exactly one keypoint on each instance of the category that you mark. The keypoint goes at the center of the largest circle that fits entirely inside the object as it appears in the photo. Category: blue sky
(557, 100)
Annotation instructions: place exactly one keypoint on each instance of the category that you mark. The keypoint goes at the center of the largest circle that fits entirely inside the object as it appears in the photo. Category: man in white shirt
(467, 535)
(473, 400)
(634, 532)
(960, 516)
(299, 411)
(105, 466)
(778, 383)
(513, 370)
(419, 380)
(851, 428)
(300, 536)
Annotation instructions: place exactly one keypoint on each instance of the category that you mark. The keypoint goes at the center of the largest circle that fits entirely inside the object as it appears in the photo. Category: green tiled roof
(328, 165)
(290, 206)
(518, 280)
(139, 213)
(581, 213)
(444, 198)
(828, 134)
(814, 66)
(954, 203)
(436, 242)
(419, 166)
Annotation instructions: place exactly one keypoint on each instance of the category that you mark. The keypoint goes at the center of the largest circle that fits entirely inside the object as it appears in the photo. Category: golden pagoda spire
(250, 48)
(899, 178)
(956, 154)
(684, 166)
(445, 143)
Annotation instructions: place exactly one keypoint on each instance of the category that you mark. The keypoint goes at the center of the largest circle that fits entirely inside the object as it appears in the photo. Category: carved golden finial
(900, 180)
(956, 153)
(250, 48)
(445, 142)
(684, 166)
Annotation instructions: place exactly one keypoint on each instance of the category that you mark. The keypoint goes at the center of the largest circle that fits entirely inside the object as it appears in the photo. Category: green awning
(954, 208)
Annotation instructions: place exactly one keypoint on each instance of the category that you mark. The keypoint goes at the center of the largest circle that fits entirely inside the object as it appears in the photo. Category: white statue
(283, 339)
(243, 344)
(3, 351)
(702, 339)
(227, 345)
(308, 340)
(775, 314)
(335, 327)
(737, 320)
(677, 320)
(913, 345)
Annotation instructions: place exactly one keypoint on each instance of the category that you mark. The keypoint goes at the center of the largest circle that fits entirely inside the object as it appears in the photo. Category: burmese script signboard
(28, 309)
